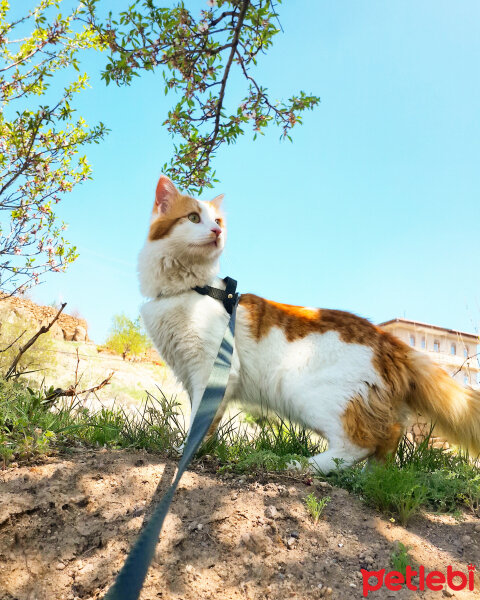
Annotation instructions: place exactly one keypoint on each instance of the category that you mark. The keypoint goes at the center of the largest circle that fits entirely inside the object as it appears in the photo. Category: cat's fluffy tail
(454, 409)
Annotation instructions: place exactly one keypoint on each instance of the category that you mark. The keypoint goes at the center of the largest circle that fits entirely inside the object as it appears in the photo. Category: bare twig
(464, 362)
(72, 391)
(76, 370)
(13, 367)
(14, 341)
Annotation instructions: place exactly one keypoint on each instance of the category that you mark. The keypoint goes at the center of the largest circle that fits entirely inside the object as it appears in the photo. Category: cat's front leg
(213, 427)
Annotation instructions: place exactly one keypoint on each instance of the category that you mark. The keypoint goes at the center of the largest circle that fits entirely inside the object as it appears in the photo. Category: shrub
(127, 337)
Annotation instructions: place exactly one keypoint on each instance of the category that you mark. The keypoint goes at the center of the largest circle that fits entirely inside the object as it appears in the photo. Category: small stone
(271, 512)
(255, 542)
(60, 566)
(477, 528)
(466, 539)
(447, 593)
(291, 542)
(200, 526)
(325, 485)
(295, 534)
(329, 591)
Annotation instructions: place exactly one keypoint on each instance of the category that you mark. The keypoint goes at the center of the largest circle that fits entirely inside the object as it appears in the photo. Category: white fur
(309, 381)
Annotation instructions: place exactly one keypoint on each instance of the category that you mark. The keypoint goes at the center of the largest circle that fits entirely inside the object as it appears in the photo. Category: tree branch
(221, 96)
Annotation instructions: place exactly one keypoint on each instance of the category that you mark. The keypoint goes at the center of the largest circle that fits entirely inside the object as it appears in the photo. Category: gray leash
(130, 578)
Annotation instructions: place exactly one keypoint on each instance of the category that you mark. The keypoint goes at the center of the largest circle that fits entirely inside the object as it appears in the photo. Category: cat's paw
(296, 465)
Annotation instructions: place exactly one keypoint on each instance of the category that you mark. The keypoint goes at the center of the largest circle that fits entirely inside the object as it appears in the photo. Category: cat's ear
(217, 201)
(164, 195)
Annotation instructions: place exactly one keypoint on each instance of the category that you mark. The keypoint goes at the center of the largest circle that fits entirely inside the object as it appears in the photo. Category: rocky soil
(67, 523)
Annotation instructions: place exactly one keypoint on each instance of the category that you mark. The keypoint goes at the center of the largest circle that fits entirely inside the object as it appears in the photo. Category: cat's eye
(218, 222)
(194, 217)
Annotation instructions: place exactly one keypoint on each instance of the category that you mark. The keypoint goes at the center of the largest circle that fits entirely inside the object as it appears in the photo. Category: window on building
(424, 343)
(465, 379)
(453, 349)
(436, 346)
(465, 352)
(412, 340)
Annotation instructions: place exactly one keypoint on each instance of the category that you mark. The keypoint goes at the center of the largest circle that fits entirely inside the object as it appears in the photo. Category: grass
(418, 478)
(30, 425)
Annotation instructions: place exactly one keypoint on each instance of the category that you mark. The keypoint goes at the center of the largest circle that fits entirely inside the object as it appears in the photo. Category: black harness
(228, 296)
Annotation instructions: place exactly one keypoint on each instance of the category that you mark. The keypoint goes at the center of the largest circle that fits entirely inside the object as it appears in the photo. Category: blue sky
(375, 206)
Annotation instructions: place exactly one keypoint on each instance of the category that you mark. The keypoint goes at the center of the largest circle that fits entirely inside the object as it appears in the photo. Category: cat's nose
(216, 230)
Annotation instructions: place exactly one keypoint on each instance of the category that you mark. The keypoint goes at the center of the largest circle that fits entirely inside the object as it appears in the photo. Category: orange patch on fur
(298, 321)
(180, 209)
(390, 354)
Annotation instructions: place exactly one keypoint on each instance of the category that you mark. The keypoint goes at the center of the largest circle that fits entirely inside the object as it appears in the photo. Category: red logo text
(435, 580)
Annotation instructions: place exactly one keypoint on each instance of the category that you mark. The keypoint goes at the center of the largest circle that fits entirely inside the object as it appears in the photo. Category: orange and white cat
(328, 370)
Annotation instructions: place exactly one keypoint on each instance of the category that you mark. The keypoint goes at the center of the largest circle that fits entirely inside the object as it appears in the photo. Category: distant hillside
(67, 327)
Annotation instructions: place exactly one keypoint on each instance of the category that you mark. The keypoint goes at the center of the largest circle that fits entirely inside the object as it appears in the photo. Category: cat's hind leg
(368, 428)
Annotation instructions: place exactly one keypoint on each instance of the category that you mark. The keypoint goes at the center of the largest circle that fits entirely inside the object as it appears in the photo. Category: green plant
(394, 490)
(400, 559)
(315, 507)
(27, 426)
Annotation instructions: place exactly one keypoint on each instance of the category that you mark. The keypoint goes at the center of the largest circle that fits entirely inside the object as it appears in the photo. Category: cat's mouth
(211, 243)
(208, 244)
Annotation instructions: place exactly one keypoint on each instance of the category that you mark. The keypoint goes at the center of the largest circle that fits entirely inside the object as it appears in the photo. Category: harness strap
(228, 296)
(129, 581)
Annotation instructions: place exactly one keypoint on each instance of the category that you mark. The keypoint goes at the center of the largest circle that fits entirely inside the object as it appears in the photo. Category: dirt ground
(67, 523)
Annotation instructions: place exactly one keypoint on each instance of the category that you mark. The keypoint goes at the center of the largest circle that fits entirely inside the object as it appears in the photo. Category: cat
(329, 370)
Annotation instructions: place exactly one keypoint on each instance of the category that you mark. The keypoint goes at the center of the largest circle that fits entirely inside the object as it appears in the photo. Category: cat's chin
(208, 251)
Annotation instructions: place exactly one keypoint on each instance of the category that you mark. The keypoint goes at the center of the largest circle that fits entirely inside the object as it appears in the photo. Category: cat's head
(182, 230)
(186, 228)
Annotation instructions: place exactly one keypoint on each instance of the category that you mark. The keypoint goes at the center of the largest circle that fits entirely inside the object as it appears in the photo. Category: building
(455, 351)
